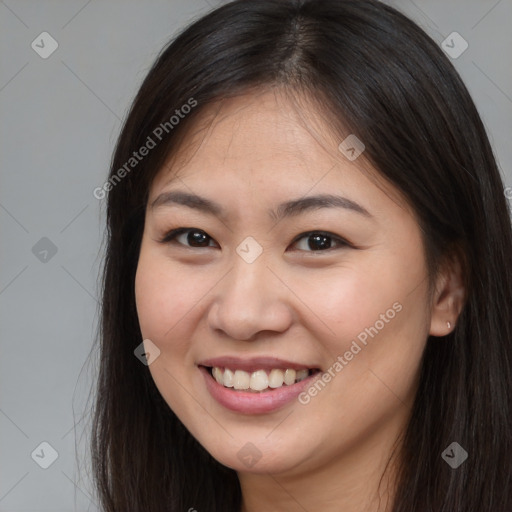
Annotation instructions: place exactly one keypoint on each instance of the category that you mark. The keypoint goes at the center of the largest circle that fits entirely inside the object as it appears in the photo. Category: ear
(449, 296)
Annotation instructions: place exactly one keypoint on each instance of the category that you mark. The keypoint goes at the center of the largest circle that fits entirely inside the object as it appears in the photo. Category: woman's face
(295, 266)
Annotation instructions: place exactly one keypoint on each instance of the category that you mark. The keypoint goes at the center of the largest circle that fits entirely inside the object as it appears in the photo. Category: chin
(258, 457)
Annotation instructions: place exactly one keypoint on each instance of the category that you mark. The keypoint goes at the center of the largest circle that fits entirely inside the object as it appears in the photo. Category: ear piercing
(449, 325)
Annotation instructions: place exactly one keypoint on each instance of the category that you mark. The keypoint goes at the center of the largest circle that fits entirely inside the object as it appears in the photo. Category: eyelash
(171, 236)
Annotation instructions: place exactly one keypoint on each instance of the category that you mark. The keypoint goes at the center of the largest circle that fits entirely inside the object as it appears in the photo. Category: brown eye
(319, 241)
(191, 237)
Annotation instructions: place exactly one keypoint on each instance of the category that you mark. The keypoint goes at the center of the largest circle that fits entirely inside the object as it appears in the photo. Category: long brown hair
(370, 66)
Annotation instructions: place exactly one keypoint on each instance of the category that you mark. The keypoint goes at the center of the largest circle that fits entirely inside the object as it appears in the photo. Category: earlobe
(448, 299)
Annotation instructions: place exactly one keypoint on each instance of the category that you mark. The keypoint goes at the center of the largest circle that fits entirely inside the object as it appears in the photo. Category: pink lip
(254, 403)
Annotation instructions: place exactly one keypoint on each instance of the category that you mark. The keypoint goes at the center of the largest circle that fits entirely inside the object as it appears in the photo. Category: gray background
(60, 117)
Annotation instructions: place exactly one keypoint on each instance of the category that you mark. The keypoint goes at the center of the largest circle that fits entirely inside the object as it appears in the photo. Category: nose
(249, 301)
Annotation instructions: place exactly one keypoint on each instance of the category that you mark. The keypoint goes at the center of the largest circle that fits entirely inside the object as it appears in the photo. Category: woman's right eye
(189, 237)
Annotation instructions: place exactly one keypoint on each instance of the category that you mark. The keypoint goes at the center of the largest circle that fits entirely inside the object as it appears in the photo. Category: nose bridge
(248, 299)
(247, 281)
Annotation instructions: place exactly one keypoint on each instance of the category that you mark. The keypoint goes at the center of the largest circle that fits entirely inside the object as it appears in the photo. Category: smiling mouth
(258, 381)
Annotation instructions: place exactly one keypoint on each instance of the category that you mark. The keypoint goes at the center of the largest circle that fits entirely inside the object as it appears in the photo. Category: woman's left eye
(319, 241)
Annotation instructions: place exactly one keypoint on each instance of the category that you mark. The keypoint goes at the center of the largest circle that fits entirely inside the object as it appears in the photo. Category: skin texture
(292, 302)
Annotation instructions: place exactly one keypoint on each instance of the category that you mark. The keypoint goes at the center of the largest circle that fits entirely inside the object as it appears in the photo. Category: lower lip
(254, 403)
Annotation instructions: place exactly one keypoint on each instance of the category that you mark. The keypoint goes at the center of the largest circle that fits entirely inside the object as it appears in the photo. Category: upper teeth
(258, 380)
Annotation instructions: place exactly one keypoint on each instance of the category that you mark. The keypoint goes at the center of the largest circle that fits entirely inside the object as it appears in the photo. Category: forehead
(266, 144)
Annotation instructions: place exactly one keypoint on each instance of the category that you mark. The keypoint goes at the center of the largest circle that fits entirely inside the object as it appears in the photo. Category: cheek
(380, 303)
(352, 297)
(163, 299)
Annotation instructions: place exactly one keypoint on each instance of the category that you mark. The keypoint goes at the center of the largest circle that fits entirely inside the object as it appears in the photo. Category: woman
(309, 250)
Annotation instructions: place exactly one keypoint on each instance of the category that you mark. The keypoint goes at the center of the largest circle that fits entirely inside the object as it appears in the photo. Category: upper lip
(253, 364)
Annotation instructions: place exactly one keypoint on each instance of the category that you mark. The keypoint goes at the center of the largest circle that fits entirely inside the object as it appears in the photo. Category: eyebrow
(290, 208)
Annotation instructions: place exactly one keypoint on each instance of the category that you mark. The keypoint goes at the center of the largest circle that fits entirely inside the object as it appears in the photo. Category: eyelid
(171, 235)
(342, 242)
